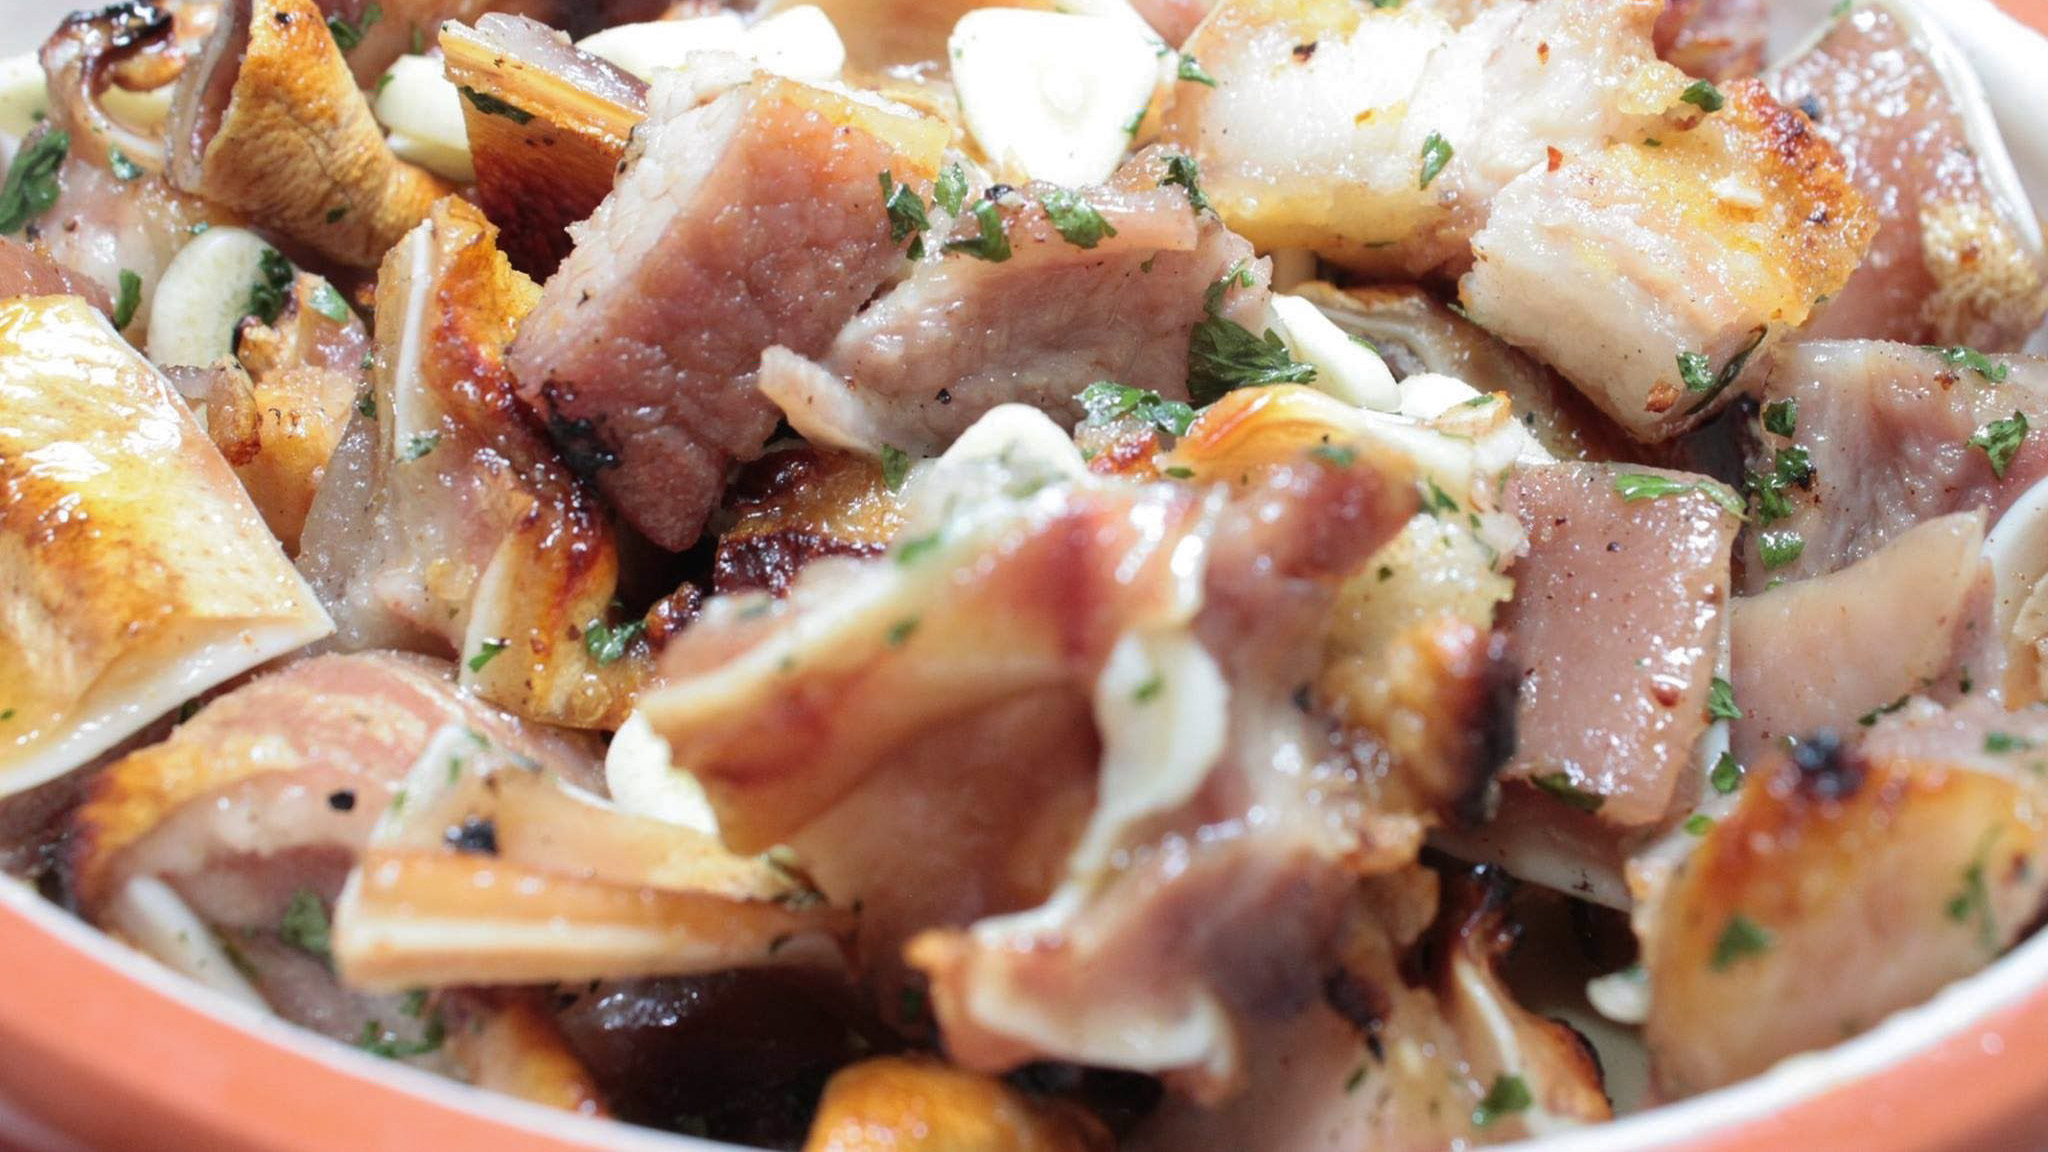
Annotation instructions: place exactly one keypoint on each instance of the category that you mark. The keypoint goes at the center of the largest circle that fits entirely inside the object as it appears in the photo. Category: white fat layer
(203, 294)
(2017, 550)
(1052, 96)
(151, 916)
(644, 781)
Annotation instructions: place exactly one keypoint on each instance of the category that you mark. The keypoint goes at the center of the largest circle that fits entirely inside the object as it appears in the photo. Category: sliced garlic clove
(643, 48)
(800, 43)
(1052, 96)
(1345, 368)
(203, 295)
(423, 112)
(24, 94)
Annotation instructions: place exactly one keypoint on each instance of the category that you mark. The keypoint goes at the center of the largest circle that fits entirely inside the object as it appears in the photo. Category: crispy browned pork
(1958, 257)
(751, 220)
(1906, 855)
(1612, 214)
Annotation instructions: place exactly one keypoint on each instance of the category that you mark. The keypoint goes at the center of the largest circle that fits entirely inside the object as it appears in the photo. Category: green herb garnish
(129, 300)
(490, 105)
(992, 244)
(1078, 222)
(1436, 152)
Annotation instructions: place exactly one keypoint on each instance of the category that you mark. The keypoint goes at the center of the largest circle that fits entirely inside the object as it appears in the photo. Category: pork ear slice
(548, 124)
(1905, 856)
(446, 522)
(1958, 258)
(579, 890)
(1833, 650)
(753, 220)
(138, 572)
(268, 121)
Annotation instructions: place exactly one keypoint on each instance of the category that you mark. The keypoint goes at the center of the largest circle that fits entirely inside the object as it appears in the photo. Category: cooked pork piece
(1618, 613)
(1717, 39)
(798, 505)
(1652, 273)
(552, 160)
(24, 271)
(915, 1104)
(1379, 136)
(1882, 437)
(1958, 257)
(446, 523)
(1906, 856)
(1191, 614)
(754, 220)
(1832, 650)
(268, 121)
(1382, 1061)
(373, 33)
(1643, 234)
(1074, 303)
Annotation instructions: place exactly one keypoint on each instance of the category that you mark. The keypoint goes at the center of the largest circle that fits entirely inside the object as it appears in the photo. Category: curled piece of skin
(489, 872)
(268, 121)
(905, 1104)
(548, 126)
(446, 523)
(80, 59)
(136, 571)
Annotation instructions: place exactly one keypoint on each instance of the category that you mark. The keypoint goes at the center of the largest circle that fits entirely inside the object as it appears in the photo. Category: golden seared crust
(505, 1040)
(1837, 892)
(133, 570)
(298, 148)
(797, 506)
(552, 158)
(902, 1104)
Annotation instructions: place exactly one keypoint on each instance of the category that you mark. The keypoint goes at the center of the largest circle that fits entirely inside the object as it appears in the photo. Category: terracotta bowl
(102, 1049)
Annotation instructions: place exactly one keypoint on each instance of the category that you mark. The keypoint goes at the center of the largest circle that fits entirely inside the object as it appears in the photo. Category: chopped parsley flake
(1726, 775)
(273, 278)
(1634, 487)
(991, 244)
(1334, 454)
(1106, 400)
(1436, 152)
(901, 631)
(1779, 548)
(607, 644)
(1702, 95)
(335, 213)
(895, 467)
(32, 181)
(1078, 222)
(1137, 119)
(1148, 691)
(1435, 500)
(1699, 824)
(1974, 900)
(122, 166)
(1559, 785)
(1508, 1096)
(1695, 371)
(2000, 440)
(377, 1041)
(1356, 1078)
(914, 549)
(950, 191)
(2001, 742)
(1781, 417)
(1721, 701)
(490, 105)
(1729, 371)
(367, 405)
(1224, 356)
(305, 924)
(1973, 360)
(129, 300)
(328, 302)
(1740, 937)
(1186, 172)
(906, 214)
(1870, 718)
(485, 653)
(1191, 70)
(346, 35)
(420, 444)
